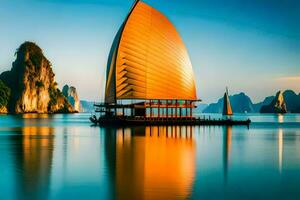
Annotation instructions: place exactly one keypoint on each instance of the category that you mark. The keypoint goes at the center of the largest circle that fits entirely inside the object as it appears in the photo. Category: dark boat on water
(136, 121)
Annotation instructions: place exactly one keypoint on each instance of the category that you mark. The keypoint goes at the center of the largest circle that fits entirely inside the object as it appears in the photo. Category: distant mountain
(277, 105)
(240, 103)
(87, 106)
(287, 101)
(292, 101)
(266, 101)
(201, 107)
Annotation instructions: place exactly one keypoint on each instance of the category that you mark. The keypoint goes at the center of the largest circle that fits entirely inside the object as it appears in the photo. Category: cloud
(289, 78)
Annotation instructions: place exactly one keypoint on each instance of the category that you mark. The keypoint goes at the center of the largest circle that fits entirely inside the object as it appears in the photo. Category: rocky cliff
(292, 101)
(266, 101)
(278, 105)
(32, 83)
(71, 94)
(4, 97)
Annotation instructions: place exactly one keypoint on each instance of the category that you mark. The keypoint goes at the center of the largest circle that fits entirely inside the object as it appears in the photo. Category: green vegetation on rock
(4, 95)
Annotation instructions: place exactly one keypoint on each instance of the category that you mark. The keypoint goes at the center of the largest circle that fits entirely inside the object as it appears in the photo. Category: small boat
(94, 119)
(227, 110)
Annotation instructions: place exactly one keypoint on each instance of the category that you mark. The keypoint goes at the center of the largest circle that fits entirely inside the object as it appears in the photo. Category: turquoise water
(63, 157)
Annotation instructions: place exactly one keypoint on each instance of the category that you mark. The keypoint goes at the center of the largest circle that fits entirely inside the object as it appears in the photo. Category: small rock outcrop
(4, 97)
(71, 94)
(278, 105)
(32, 84)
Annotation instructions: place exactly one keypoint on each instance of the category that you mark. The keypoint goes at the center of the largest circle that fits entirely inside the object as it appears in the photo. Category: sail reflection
(155, 159)
(226, 150)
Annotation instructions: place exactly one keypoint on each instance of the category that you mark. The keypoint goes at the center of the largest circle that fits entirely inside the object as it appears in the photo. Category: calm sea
(63, 157)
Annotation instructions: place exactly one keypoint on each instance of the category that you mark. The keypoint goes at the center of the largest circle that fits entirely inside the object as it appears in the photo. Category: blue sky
(251, 46)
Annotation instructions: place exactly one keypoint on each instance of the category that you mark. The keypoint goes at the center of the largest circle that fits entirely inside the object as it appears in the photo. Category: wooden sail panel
(149, 60)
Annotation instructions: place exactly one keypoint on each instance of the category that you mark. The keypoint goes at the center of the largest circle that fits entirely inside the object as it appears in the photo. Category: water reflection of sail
(154, 162)
(35, 159)
(226, 150)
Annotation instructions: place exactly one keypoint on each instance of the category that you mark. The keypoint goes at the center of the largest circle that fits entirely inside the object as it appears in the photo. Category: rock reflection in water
(34, 159)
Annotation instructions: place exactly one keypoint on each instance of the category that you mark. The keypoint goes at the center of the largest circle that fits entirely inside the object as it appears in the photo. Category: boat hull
(103, 121)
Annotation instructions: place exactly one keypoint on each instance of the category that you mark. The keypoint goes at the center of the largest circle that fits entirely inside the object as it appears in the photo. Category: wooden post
(163, 111)
(158, 107)
(186, 110)
(150, 109)
(191, 109)
(145, 114)
(176, 108)
(172, 108)
(180, 110)
(167, 113)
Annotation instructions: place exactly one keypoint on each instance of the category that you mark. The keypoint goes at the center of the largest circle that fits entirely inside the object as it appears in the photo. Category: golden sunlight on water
(162, 160)
(280, 148)
(35, 116)
(280, 118)
(35, 159)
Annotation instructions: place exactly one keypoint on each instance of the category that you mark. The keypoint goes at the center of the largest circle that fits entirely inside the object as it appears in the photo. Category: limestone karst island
(30, 86)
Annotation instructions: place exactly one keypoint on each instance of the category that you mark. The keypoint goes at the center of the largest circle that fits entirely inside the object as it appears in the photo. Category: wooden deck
(146, 121)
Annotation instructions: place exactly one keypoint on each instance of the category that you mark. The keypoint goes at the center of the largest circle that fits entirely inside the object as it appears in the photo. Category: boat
(153, 88)
(227, 110)
(94, 119)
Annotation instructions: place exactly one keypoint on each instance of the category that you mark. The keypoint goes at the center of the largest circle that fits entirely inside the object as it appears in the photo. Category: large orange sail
(148, 59)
